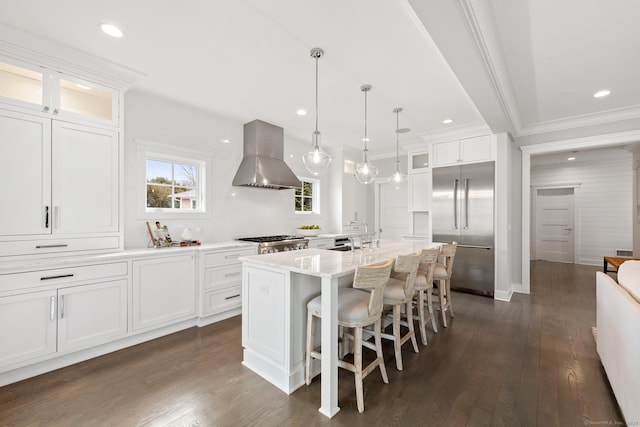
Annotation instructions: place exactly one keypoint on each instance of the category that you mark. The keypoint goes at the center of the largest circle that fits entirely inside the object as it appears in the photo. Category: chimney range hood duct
(263, 165)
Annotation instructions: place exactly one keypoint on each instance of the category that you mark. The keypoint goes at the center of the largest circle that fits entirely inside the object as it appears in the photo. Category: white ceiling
(532, 66)
(526, 67)
(249, 59)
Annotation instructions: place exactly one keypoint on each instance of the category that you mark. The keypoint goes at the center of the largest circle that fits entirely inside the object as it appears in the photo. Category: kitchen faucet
(365, 238)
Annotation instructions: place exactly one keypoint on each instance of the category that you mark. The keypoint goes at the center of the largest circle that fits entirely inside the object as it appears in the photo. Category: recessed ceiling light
(301, 112)
(601, 93)
(111, 30)
(226, 141)
(82, 86)
(571, 158)
(447, 121)
(291, 156)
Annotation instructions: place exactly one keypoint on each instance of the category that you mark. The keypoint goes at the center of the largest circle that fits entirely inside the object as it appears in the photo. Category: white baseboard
(503, 295)
(518, 288)
(288, 382)
(204, 321)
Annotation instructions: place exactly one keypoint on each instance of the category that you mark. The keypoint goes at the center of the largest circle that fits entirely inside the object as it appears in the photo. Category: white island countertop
(331, 264)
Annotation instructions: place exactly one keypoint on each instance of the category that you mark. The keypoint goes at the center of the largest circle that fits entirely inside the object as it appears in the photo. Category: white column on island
(329, 363)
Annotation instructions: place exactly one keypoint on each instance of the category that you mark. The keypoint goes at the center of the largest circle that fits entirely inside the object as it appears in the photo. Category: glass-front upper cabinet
(22, 85)
(418, 162)
(61, 96)
(78, 99)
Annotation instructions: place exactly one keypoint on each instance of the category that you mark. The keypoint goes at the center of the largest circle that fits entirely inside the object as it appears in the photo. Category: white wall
(234, 211)
(603, 203)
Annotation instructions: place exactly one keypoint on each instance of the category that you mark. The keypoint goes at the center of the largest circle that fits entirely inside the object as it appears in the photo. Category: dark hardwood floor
(529, 362)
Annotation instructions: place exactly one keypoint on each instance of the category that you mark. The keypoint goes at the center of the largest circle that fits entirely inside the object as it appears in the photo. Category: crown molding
(28, 47)
(594, 141)
(591, 119)
(450, 134)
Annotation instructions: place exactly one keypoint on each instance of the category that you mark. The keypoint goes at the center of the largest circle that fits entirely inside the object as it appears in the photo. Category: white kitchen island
(275, 291)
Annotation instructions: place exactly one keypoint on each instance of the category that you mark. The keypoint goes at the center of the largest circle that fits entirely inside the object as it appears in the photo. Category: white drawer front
(219, 301)
(227, 257)
(61, 275)
(223, 277)
(49, 246)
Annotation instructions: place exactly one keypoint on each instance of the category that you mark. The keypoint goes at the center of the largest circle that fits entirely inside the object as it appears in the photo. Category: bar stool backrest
(448, 253)
(373, 277)
(408, 264)
(428, 260)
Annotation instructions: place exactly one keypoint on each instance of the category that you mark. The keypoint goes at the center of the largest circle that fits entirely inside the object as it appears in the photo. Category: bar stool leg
(441, 293)
(449, 303)
(396, 333)
(357, 361)
(421, 317)
(378, 340)
(430, 307)
(411, 327)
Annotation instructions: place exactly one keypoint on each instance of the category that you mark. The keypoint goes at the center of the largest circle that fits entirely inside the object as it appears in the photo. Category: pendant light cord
(366, 139)
(397, 141)
(317, 94)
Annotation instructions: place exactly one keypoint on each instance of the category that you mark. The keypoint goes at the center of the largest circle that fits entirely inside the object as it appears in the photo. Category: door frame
(534, 215)
(596, 141)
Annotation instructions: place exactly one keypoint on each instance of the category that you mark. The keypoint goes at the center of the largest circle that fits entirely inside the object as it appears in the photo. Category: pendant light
(397, 180)
(316, 160)
(365, 171)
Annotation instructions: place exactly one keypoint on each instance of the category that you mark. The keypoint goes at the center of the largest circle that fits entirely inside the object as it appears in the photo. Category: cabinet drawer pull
(50, 246)
(46, 217)
(236, 273)
(52, 308)
(56, 277)
(233, 296)
(62, 306)
(236, 256)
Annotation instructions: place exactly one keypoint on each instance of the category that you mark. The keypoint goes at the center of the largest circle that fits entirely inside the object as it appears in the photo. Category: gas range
(279, 243)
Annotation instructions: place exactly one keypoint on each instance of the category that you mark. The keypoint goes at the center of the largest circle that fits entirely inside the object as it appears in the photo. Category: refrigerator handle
(466, 203)
(455, 204)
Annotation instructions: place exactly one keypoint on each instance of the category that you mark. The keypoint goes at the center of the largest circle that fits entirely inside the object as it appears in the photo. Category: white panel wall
(235, 211)
(603, 203)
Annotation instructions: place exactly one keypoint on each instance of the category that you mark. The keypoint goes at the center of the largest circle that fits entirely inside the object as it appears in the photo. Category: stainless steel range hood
(263, 165)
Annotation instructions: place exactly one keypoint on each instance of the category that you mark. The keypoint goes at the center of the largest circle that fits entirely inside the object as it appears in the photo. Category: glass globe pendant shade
(397, 180)
(365, 172)
(316, 160)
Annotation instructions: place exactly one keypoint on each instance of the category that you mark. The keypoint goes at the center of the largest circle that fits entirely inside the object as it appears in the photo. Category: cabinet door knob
(56, 111)
(45, 108)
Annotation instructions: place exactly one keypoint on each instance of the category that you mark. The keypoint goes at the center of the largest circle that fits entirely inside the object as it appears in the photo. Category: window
(306, 197)
(171, 180)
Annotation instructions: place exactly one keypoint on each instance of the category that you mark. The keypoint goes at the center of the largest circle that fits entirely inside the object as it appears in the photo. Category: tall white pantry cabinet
(60, 139)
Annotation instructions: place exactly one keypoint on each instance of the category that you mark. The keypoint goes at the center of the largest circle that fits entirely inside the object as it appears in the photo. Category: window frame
(315, 196)
(149, 150)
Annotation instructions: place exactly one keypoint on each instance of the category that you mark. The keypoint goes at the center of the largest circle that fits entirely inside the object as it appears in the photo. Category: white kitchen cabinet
(25, 171)
(72, 309)
(321, 243)
(468, 150)
(418, 162)
(28, 327)
(61, 181)
(56, 94)
(91, 314)
(419, 191)
(164, 291)
(84, 179)
(221, 290)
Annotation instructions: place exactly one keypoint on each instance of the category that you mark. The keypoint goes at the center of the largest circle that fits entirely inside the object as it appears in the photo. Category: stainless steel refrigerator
(462, 209)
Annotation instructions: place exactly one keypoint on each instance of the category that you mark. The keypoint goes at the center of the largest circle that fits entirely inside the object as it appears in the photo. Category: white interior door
(555, 224)
(392, 211)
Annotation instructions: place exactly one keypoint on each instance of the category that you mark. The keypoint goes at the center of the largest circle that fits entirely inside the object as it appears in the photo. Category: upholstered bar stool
(356, 309)
(399, 294)
(424, 290)
(442, 275)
